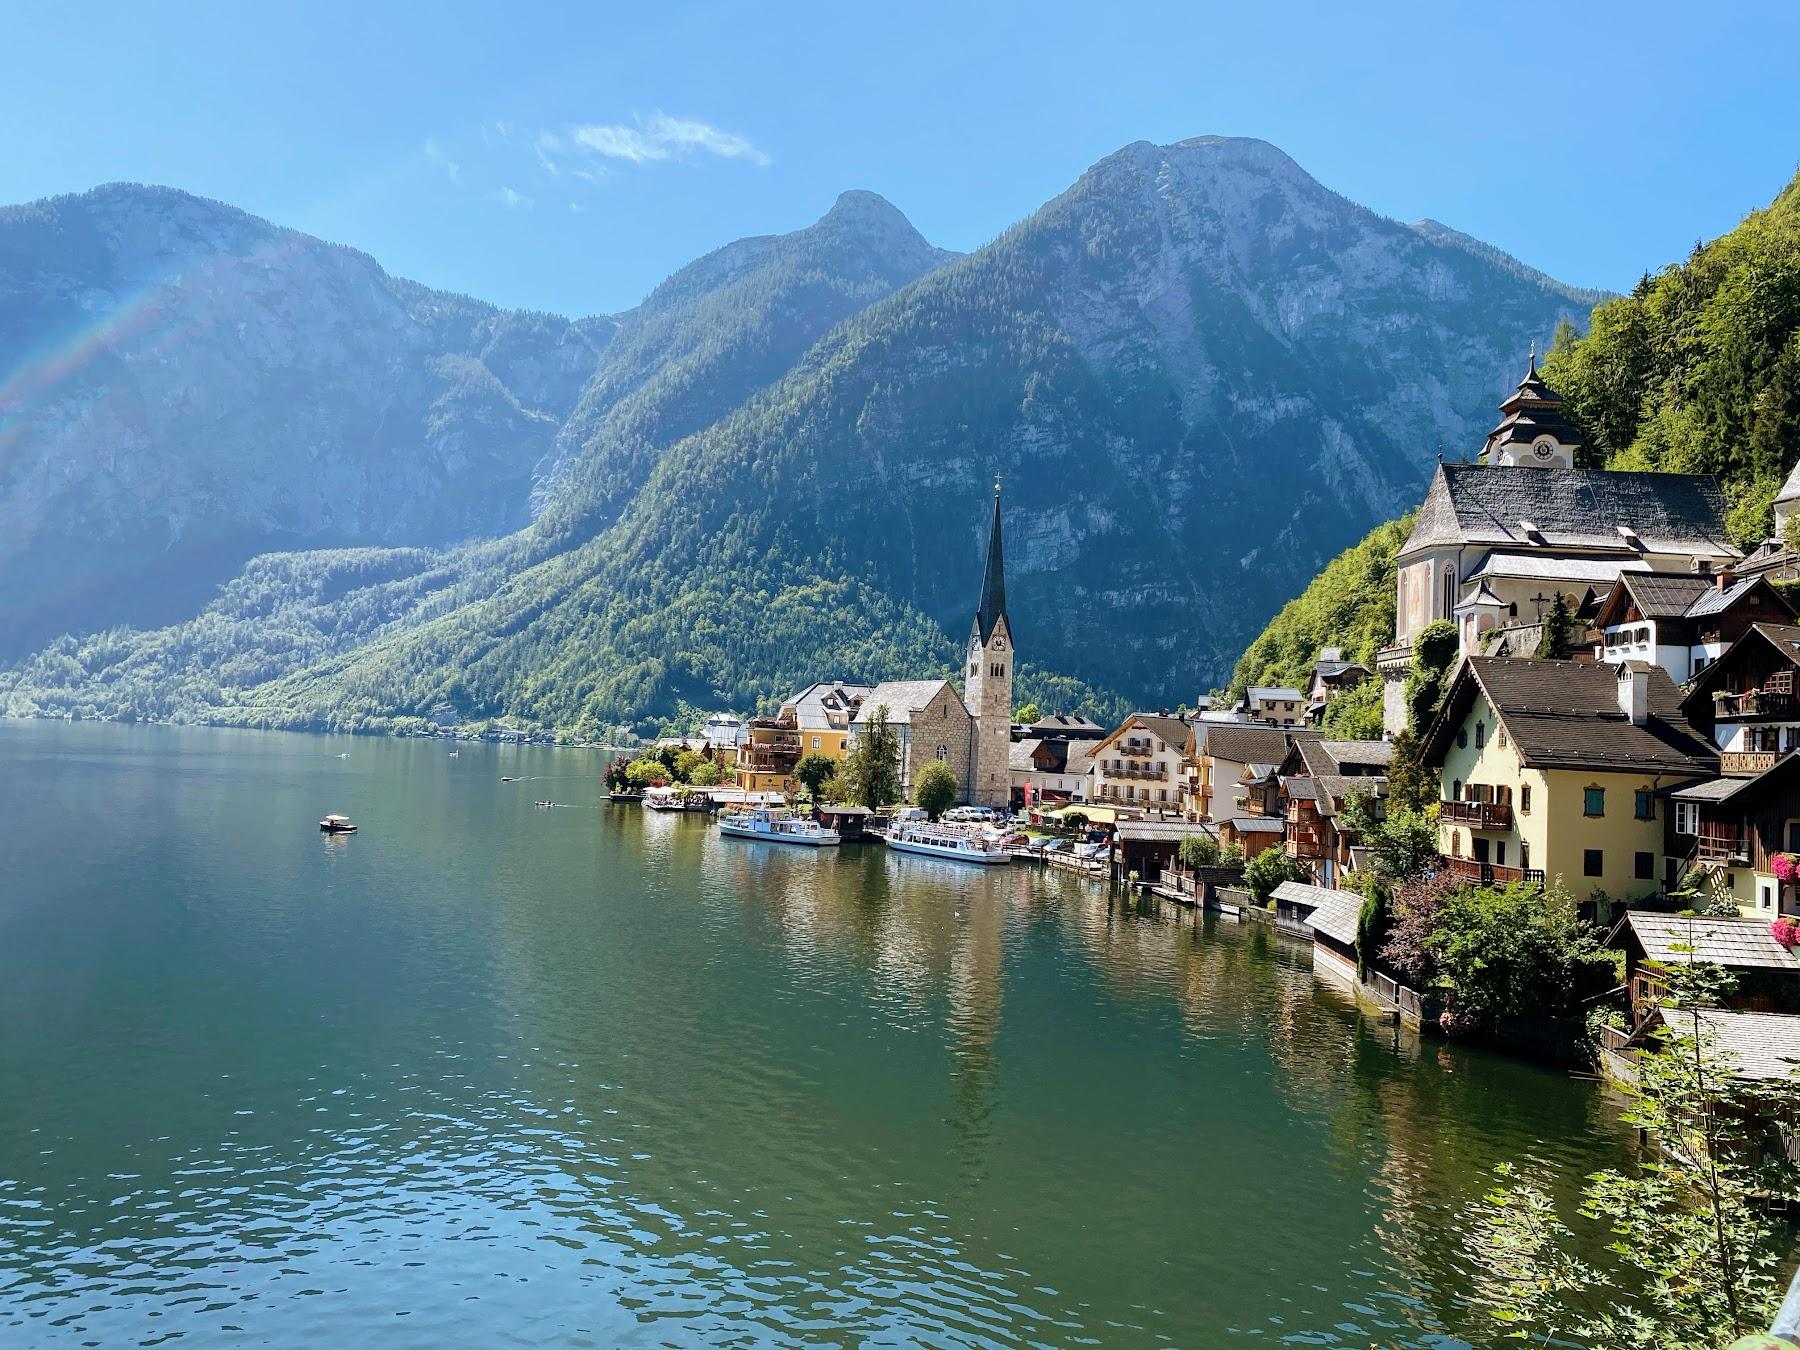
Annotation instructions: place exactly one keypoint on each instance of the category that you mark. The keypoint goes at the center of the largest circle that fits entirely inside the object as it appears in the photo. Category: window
(1593, 803)
(1793, 836)
(815, 742)
(1687, 817)
(1449, 590)
(1456, 789)
(1462, 737)
(1593, 864)
(1500, 736)
(1644, 805)
(944, 754)
(1524, 854)
(1500, 852)
(1525, 797)
(1645, 866)
(1480, 735)
(1765, 895)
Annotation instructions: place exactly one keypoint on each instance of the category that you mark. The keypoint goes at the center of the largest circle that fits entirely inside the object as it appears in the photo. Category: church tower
(989, 690)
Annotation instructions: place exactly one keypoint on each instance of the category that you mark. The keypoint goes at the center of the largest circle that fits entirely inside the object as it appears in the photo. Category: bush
(1199, 850)
(1515, 952)
(814, 771)
(1269, 869)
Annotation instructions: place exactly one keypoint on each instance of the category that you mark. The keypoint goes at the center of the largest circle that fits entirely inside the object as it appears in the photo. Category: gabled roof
(825, 701)
(1335, 917)
(1067, 724)
(1506, 564)
(1237, 744)
(1255, 824)
(1173, 731)
(1264, 693)
(1299, 894)
(1347, 753)
(1164, 831)
(1571, 508)
(1680, 595)
(1757, 1046)
(1019, 753)
(1782, 638)
(1678, 939)
(903, 698)
(1566, 715)
(1790, 490)
(1333, 788)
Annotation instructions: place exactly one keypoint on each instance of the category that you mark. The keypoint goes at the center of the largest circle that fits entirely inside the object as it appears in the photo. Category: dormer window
(1531, 532)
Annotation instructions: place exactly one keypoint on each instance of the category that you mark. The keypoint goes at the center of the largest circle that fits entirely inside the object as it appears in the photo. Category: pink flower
(1783, 866)
(1785, 931)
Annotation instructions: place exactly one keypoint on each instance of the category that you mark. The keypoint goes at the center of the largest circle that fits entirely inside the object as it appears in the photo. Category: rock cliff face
(1199, 373)
(186, 385)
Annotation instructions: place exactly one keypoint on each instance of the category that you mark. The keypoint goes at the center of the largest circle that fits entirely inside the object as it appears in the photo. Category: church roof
(993, 581)
(1572, 509)
(1790, 490)
(902, 698)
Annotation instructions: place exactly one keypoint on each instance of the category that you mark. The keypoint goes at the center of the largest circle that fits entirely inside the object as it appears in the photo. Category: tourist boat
(941, 841)
(662, 799)
(338, 825)
(777, 828)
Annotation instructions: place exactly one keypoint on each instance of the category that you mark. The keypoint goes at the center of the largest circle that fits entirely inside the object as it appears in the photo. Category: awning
(1097, 815)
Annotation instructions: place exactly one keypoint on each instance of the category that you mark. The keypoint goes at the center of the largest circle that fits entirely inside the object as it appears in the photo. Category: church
(1496, 541)
(971, 731)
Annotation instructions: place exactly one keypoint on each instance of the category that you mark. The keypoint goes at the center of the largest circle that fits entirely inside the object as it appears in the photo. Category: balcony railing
(1489, 874)
(1305, 844)
(1732, 707)
(1133, 751)
(1726, 846)
(1747, 761)
(1478, 815)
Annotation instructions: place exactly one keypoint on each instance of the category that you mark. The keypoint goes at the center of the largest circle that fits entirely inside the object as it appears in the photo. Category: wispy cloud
(435, 154)
(658, 137)
(512, 199)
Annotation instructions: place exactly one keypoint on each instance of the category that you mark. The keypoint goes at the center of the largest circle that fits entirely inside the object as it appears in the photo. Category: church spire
(993, 581)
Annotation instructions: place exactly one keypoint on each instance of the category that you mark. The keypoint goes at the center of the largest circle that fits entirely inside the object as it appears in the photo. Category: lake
(485, 1073)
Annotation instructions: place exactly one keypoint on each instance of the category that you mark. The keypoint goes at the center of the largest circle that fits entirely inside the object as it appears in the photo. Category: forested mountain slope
(1696, 371)
(185, 385)
(1199, 373)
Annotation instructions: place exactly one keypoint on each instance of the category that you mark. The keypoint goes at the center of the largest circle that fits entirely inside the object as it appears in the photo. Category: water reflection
(600, 1075)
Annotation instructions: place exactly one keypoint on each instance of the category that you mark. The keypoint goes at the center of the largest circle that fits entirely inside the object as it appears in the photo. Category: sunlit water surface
(486, 1073)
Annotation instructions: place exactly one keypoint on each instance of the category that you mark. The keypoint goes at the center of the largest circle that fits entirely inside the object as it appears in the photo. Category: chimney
(1634, 691)
(1724, 577)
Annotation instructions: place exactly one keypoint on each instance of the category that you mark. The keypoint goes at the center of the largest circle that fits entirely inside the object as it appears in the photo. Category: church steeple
(993, 582)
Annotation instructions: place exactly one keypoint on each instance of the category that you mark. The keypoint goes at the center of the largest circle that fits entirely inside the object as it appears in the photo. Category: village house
(1140, 764)
(1559, 769)
(1766, 974)
(1226, 758)
(1725, 833)
(1331, 676)
(1278, 706)
(1050, 770)
(1317, 777)
(1745, 700)
(1062, 726)
(1683, 621)
(1494, 543)
(815, 721)
(1332, 919)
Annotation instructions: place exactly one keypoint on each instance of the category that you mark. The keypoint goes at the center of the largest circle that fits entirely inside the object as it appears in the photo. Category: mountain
(189, 386)
(1199, 372)
(1696, 371)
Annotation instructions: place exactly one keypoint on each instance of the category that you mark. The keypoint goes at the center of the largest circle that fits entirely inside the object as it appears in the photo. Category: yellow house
(1555, 770)
(815, 721)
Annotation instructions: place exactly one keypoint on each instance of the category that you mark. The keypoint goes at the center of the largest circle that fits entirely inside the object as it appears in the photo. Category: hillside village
(1590, 693)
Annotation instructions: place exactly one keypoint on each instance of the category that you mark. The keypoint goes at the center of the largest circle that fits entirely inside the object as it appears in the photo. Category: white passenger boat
(762, 823)
(662, 799)
(941, 841)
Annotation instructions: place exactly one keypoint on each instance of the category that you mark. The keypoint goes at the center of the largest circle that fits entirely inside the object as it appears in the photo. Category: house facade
(1683, 621)
(1559, 770)
(1141, 763)
(1227, 753)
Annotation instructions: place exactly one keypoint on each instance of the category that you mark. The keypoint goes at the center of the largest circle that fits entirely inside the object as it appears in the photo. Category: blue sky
(570, 157)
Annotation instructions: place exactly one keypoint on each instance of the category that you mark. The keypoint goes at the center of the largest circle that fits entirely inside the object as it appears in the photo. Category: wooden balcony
(1131, 751)
(1303, 843)
(1754, 704)
(1723, 846)
(1489, 874)
(1477, 815)
(1747, 763)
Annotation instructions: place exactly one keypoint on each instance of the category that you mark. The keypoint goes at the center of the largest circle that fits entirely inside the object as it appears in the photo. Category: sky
(568, 158)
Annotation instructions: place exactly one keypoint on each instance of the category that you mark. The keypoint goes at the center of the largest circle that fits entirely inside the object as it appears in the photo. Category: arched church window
(1449, 589)
(974, 667)
(944, 753)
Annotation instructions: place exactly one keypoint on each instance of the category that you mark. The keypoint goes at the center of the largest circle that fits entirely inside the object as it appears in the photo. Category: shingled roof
(1757, 1046)
(1678, 939)
(1238, 744)
(1783, 637)
(1571, 508)
(1566, 715)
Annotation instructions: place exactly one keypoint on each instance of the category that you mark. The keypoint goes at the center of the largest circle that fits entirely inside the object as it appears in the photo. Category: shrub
(1269, 869)
(935, 788)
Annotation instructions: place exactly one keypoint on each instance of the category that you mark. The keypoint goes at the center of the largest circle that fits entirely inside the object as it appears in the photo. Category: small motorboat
(543, 803)
(338, 825)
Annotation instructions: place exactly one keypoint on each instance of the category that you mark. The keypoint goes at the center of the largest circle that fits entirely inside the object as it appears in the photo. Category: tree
(1698, 1229)
(1411, 785)
(1434, 651)
(1515, 952)
(1371, 926)
(687, 763)
(706, 773)
(644, 773)
(1074, 820)
(1199, 850)
(1268, 869)
(814, 771)
(1557, 640)
(872, 770)
(1355, 714)
(935, 788)
(1412, 919)
(1026, 715)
